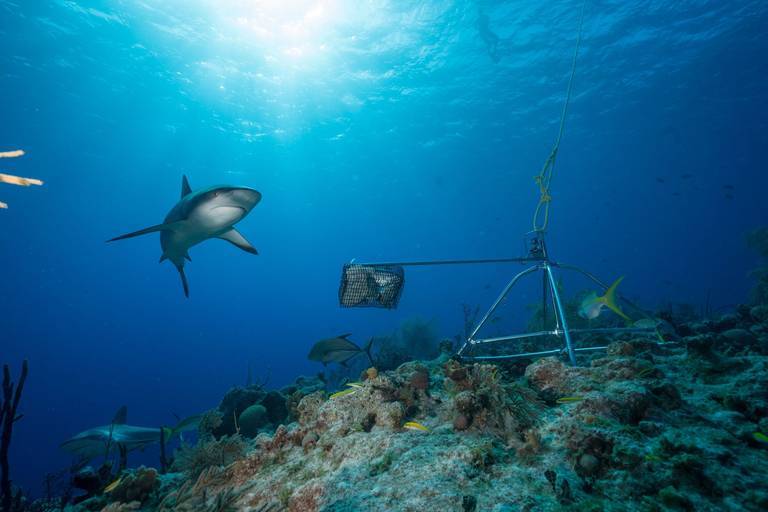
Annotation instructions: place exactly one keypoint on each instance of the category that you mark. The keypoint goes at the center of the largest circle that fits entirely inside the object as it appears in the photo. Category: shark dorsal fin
(345, 336)
(121, 416)
(185, 188)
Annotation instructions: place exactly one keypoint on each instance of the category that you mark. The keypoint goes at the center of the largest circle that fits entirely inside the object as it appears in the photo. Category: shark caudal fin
(183, 276)
(151, 229)
(609, 299)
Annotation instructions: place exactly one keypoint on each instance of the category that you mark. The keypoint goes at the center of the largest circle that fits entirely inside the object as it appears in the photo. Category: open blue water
(375, 130)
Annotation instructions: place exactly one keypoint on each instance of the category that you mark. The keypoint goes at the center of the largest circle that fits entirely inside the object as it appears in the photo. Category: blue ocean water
(377, 130)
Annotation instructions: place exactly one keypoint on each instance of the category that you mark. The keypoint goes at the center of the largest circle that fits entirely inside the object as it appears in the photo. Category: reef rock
(233, 404)
(136, 485)
(252, 419)
(642, 426)
(88, 480)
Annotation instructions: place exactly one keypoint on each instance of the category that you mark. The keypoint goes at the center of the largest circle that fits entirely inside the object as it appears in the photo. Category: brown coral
(309, 440)
(207, 453)
(309, 407)
(419, 379)
(552, 374)
(455, 372)
(136, 485)
(461, 422)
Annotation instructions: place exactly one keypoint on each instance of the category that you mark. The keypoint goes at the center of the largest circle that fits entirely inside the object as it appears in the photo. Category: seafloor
(643, 426)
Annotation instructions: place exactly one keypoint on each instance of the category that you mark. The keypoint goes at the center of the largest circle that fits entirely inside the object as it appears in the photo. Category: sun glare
(295, 29)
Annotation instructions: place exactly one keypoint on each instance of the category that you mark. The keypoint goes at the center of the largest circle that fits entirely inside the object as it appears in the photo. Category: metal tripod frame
(537, 255)
(543, 264)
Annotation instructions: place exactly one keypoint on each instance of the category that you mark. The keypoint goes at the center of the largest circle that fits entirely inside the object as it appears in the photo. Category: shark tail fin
(609, 299)
(367, 350)
(184, 282)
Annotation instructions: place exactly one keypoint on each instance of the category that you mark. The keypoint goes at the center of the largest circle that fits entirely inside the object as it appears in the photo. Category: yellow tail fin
(609, 299)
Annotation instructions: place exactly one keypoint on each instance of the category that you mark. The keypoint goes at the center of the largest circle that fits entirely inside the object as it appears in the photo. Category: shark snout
(228, 206)
(245, 198)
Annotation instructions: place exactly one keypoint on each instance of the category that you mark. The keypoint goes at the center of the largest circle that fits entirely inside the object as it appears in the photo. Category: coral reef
(247, 411)
(415, 339)
(640, 426)
(89, 480)
(207, 453)
(136, 486)
(252, 419)
(232, 405)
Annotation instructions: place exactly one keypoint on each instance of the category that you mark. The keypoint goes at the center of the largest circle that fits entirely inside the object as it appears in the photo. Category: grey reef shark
(198, 216)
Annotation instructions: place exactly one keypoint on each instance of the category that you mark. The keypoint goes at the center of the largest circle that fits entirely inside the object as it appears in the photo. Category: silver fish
(338, 350)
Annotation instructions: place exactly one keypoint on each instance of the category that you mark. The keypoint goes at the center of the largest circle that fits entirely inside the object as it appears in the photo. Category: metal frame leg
(470, 340)
(561, 313)
(560, 329)
(544, 289)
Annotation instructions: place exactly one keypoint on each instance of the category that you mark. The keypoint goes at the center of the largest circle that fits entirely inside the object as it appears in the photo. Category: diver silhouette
(490, 39)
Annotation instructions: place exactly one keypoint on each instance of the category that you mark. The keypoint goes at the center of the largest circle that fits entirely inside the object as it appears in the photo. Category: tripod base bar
(557, 351)
(614, 330)
(560, 330)
(553, 352)
(516, 337)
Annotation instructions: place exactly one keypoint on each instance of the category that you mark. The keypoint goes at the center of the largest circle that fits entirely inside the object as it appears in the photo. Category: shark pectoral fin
(183, 276)
(185, 188)
(160, 227)
(186, 255)
(234, 237)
